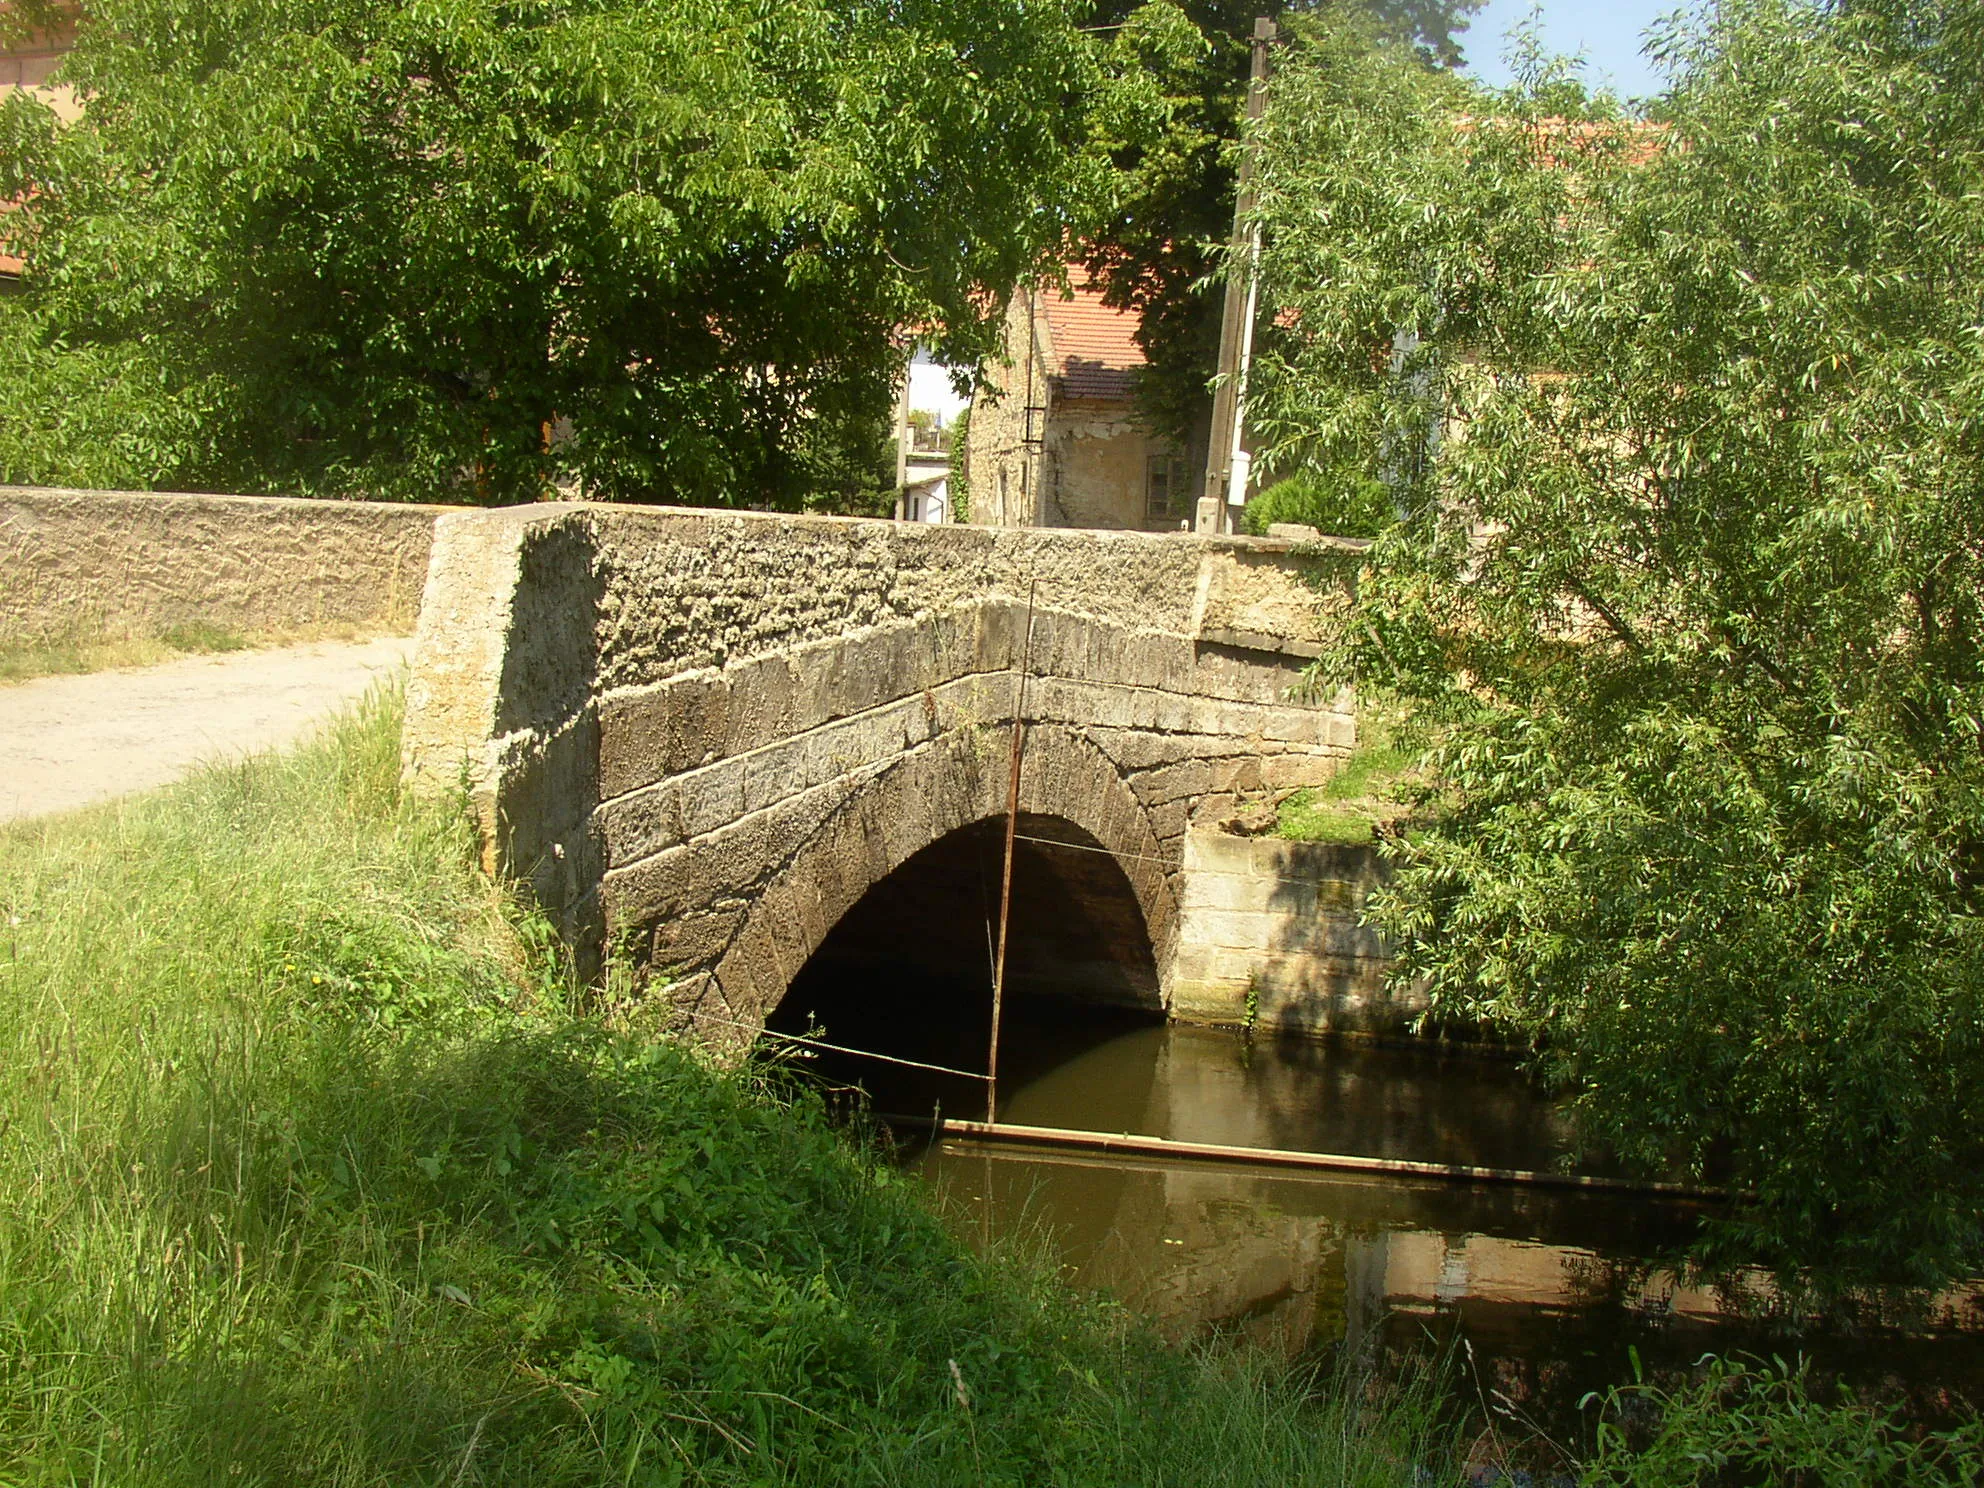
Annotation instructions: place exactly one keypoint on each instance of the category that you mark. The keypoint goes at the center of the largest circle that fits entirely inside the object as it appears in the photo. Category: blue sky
(1608, 35)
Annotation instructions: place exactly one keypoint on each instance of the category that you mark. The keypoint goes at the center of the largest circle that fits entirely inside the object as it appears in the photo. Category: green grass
(70, 655)
(313, 1171)
(1356, 799)
(1760, 1421)
(87, 649)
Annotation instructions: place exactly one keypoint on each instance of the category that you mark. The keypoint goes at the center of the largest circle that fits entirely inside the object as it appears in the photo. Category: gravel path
(71, 741)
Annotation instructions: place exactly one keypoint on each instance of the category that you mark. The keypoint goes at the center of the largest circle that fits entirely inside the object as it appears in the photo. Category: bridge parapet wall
(131, 564)
(707, 734)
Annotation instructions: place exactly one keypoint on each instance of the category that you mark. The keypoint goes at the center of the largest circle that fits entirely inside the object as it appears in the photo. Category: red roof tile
(1557, 141)
(10, 263)
(1095, 348)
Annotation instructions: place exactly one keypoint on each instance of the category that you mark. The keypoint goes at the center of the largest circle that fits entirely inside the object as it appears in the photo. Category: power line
(813, 1043)
(1164, 863)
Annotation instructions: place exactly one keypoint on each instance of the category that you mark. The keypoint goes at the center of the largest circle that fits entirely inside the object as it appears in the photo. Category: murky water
(1548, 1289)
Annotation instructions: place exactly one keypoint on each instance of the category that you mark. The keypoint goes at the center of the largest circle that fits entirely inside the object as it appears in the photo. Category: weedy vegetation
(83, 650)
(1759, 1421)
(1375, 786)
(314, 1169)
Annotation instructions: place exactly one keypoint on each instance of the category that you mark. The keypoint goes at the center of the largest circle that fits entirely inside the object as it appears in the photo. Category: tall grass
(311, 1173)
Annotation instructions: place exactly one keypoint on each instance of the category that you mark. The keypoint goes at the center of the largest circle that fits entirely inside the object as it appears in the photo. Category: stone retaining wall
(118, 564)
(1269, 935)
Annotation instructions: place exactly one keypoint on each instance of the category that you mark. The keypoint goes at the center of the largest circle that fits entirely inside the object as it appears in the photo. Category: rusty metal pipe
(1006, 887)
(1129, 1143)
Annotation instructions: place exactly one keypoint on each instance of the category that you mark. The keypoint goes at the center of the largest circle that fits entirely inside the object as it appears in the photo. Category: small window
(1167, 488)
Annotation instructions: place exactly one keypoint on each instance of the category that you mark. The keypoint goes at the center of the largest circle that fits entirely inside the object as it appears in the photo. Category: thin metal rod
(1110, 852)
(1278, 1157)
(1006, 887)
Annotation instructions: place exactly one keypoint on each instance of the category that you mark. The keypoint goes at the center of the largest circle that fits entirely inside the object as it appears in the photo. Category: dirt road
(70, 741)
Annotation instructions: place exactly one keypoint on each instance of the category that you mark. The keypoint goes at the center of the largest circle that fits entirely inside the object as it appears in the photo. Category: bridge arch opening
(907, 971)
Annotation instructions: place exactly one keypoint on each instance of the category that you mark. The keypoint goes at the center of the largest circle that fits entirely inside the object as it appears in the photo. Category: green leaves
(1758, 1421)
(1682, 413)
(1171, 125)
(379, 247)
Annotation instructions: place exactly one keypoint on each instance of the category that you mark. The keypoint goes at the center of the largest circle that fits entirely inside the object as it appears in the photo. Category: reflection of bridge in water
(1550, 1287)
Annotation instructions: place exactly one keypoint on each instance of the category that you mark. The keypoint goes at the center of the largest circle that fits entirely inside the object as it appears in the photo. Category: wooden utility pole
(902, 436)
(1236, 329)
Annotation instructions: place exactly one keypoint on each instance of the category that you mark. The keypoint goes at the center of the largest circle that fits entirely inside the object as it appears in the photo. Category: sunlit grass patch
(24, 661)
(85, 650)
(1358, 798)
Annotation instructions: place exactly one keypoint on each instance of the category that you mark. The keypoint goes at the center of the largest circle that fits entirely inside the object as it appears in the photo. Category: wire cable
(1164, 863)
(813, 1043)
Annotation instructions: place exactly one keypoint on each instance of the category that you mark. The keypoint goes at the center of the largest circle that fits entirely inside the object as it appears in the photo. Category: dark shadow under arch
(908, 970)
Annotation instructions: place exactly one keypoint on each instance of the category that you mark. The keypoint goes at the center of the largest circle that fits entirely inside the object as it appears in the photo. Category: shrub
(1338, 505)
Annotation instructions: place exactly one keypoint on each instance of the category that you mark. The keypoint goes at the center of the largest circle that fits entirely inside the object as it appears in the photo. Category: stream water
(1542, 1294)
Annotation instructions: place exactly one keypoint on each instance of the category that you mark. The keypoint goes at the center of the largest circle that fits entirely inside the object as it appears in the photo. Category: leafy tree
(959, 486)
(1159, 248)
(380, 246)
(23, 20)
(1695, 585)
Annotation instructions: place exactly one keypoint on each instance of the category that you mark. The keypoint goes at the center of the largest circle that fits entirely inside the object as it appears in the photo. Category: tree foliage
(380, 246)
(1693, 582)
(1157, 252)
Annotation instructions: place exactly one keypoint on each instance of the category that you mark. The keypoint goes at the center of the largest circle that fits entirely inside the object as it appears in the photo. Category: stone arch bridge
(706, 736)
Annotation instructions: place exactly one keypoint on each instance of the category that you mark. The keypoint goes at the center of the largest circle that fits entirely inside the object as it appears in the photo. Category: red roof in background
(1095, 348)
(10, 263)
(1558, 141)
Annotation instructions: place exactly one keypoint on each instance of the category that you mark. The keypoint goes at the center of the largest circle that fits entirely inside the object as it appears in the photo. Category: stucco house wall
(1096, 459)
(1055, 437)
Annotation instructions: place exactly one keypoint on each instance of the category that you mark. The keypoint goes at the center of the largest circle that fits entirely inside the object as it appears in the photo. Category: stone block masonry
(703, 736)
(1270, 935)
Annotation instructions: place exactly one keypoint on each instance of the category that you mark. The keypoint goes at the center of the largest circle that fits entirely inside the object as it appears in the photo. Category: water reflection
(1550, 1288)
(1211, 1085)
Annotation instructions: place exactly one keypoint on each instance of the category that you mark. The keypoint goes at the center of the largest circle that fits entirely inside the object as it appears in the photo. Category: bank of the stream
(310, 1173)
(313, 1171)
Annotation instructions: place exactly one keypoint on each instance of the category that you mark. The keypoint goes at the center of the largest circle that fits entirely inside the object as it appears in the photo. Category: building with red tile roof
(1095, 349)
(1055, 437)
